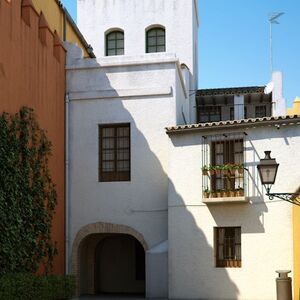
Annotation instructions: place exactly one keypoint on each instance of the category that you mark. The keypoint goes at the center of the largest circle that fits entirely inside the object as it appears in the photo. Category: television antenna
(273, 19)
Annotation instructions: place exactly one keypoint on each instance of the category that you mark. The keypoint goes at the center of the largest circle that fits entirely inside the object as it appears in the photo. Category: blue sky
(234, 43)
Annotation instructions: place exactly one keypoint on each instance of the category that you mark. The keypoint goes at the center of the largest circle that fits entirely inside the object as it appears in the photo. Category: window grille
(260, 111)
(223, 166)
(228, 247)
(114, 152)
(209, 114)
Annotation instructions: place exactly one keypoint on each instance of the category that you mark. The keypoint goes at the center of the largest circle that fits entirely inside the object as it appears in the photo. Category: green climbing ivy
(27, 195)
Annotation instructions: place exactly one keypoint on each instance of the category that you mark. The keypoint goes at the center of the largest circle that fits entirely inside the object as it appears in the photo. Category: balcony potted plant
(232, 193)
(213, 194)
(218, 169)
(226, 193)
(240, 192)
(205, 170)
(219, 193)
(212, 169)
(226, 169)
(206, 193)
(241, 169)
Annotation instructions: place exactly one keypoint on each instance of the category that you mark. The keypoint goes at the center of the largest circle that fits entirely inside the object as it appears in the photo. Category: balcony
(231, 177)
(224, 175)
(214, 105)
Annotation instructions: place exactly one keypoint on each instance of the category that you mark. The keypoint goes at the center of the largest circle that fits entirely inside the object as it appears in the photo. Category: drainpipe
(67, 203)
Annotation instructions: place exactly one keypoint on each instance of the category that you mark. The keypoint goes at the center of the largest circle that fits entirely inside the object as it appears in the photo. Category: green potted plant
(240, 191)
(241, 169)
(226, 169)
(212, 169)
(206, 193)
(219, 193)
(233, 169)
(227, 193)
(205, 170)
(232, 193)
(213, 194)
(218, 169)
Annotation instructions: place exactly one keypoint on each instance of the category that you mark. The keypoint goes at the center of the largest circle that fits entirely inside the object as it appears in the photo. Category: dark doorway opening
(119, 266)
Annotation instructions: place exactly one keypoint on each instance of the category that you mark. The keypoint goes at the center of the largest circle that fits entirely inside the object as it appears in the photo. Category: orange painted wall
(32, 73)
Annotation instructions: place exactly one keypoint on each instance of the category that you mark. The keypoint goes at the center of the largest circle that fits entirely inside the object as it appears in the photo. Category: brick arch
(99, 228)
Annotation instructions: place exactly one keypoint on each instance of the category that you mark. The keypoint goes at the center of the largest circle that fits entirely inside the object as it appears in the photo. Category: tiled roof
(231, 91)
(295, 119)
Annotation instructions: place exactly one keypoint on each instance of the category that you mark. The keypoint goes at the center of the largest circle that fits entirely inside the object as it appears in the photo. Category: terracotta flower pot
(206, 194)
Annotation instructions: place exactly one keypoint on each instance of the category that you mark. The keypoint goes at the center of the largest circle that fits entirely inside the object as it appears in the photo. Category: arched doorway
(119, 265)
(105, 255)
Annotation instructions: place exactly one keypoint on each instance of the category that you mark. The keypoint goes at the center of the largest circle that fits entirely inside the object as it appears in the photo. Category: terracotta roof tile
(235, 123)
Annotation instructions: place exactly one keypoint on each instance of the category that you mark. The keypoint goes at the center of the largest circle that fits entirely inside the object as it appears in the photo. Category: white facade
(162, 201)
(148, 92)
(134, 17)
(266, 225)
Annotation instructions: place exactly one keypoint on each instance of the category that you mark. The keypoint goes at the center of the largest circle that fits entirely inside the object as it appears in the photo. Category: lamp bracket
(293, 198)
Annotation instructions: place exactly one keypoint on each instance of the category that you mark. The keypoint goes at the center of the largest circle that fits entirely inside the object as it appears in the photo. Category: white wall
(267, 243)
(279, 103)
(142, 91)
(179, 17)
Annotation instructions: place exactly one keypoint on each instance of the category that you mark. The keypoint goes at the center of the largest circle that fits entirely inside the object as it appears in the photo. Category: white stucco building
(138, 221)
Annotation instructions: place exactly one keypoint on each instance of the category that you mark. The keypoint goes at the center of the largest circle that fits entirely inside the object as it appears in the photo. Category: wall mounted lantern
(267, 169)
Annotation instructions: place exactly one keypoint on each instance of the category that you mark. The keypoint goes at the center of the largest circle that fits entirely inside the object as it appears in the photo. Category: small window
(156, 40)
(260, 111)
(209, 114)
(114, 152)
(115, 43)
(228, 247)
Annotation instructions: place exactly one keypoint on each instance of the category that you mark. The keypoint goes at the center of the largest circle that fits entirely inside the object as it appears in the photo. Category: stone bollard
(283, 285)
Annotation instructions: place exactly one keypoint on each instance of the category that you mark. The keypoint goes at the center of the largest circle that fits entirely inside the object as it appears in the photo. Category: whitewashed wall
(142, 91)
(267, 242)
(179, 17)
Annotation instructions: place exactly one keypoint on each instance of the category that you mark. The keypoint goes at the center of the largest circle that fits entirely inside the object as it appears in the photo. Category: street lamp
(267, 169)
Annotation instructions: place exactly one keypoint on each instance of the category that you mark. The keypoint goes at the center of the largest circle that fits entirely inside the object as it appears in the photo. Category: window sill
(225, 200)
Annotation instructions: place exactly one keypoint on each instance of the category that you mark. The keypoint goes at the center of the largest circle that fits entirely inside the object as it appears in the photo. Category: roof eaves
(295, 119)
(231, 91)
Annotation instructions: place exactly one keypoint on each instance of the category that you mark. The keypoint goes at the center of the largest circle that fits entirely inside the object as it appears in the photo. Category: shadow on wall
(190, 255)
(192, 271)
